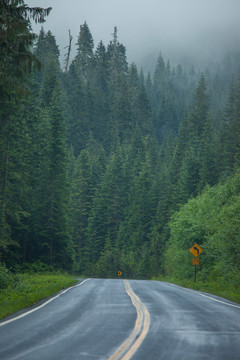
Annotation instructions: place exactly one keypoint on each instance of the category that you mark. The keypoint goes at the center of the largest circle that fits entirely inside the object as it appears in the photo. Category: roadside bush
(6, 277)
(37, 267)
(24, 290)
(212, 221)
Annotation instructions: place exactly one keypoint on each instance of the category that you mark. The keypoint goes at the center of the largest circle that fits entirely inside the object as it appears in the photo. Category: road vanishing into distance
(124, 319)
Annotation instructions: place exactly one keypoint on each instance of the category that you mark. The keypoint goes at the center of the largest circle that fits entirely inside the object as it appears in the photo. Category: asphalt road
(94, 320)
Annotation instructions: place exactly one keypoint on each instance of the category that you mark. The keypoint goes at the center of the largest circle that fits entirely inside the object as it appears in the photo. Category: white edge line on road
(207, 296)
(42, 305)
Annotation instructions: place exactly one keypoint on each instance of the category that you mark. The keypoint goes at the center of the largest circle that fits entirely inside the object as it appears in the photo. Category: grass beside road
(24, 290)
(226, 291)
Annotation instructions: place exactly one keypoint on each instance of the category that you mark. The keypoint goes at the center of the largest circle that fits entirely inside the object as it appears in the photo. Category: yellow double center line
(128, 348)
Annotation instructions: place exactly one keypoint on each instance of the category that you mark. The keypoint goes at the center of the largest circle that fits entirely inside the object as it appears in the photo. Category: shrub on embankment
(212, 221)
(22, 290)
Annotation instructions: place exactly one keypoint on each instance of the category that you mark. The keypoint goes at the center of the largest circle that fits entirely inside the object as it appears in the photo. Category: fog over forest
(187, 31)
(107, 168)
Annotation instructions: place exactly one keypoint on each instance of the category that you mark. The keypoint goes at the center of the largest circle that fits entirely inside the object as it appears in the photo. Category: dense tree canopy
(105, 168)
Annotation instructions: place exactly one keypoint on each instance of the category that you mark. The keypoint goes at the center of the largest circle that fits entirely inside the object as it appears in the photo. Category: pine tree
(159, 73)
(58, 222)
(80, 85)
(229, 135)
(14, 205)
(16, 63)
(140, 107)
(108, 207)
(84, 60)
(237, 124)
(198, 164)
(16, 39)
(116, 54)
(118, 89)
(81, 202)
(166, 99)
(101, 68)
(54, 238)
(101, 125)
(47, 52)
(51, 240)
(46, 47)
(141, 212)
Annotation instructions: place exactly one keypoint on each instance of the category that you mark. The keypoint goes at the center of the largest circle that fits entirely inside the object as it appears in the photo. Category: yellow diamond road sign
(196, 250)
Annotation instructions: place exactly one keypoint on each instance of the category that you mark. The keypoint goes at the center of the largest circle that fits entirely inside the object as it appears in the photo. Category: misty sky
(199, 30)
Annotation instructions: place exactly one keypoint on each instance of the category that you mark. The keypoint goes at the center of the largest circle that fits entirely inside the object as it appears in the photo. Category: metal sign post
(195, 250)
(195, 262)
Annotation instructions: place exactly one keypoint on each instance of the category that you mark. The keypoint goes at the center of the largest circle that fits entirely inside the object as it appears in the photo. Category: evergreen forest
(104, 167)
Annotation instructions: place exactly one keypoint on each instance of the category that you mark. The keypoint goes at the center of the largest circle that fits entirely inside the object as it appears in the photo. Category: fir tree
(84, 60)
(81, 202)
(16, 63)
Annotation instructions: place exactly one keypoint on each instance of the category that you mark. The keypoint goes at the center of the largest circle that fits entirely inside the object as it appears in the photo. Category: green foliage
(5, 277)
(16, 38)
(97, 162)
(211, 220)
(26, 290)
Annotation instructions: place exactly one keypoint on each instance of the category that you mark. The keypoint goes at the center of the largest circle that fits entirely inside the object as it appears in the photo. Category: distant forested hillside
(105, 168)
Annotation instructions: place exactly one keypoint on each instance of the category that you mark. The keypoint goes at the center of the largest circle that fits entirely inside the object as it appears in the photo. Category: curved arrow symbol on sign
(195, 248)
